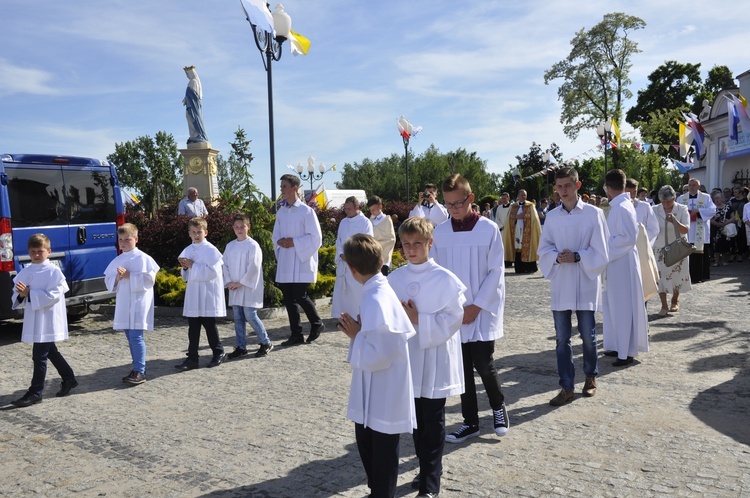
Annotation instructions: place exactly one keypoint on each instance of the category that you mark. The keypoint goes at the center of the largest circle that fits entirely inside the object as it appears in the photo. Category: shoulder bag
(677, 250)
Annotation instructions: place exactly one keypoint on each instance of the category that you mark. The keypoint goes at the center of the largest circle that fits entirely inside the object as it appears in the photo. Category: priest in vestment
(521, 235)
(625, 321)
(347, 292)
(701, 209)
(383, 231)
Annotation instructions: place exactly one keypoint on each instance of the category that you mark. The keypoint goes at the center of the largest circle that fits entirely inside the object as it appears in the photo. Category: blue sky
(77, 77)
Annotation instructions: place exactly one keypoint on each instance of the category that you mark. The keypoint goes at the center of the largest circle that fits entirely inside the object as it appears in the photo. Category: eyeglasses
(457, 205)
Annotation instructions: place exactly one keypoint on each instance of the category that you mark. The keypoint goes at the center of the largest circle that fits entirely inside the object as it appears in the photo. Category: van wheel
(77, 312)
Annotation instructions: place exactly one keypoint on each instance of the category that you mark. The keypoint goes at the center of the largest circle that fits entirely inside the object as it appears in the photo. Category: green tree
(236, 184)
(151, 167)
(596, 73)
(671, 86)
(386, 177)
(719, 78)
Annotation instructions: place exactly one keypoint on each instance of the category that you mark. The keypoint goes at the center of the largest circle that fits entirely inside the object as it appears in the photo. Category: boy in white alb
(40, 289)
(243, 276)
(381, 400)
(433, 298)
(347, 292)
(204, 296)
(471, 247)
(382, 230)
(572, 255)
(132, 275)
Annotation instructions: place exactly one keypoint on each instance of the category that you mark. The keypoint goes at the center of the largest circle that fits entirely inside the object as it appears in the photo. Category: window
(90, 196)
(36, 197)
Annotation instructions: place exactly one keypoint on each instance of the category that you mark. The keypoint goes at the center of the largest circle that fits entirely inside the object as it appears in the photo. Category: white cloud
(17, 79)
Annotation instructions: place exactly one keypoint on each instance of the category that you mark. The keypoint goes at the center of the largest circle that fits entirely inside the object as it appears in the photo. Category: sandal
(663, 312)
(675, 307)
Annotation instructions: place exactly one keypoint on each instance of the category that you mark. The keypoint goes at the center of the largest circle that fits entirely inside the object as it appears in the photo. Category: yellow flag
(299, 44)
(742, 99)
(616, 131)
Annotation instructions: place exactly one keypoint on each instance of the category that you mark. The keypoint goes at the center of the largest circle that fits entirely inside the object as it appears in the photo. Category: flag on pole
(616, 131)
(742, 114)
(686, 138)
(698, 135)
(683, 166)
(734, 119)
(299, 44)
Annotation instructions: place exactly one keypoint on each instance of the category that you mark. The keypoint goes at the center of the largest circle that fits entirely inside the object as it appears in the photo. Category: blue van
(76, 202)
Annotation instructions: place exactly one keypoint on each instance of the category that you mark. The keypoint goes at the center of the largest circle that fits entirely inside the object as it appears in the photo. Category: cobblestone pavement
(673, 423)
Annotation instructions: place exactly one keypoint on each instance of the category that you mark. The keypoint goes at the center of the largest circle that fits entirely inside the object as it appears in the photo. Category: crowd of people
(418, 333)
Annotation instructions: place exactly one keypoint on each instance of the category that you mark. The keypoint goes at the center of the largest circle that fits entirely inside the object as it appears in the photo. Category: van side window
(36, 197)
(90, 196)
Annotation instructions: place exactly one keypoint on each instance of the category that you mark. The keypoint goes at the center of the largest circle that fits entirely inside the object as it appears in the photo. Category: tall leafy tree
(719, 78)
(671, 86)
(151, 167)
(596, 73)
(234, 176)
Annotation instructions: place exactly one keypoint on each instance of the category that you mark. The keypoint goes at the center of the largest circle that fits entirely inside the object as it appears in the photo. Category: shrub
(327, 260)
(169, 288)
(397, 260)
(323, 287)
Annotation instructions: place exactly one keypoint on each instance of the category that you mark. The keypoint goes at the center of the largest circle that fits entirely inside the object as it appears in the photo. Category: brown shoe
(562, 397)
(589, 387)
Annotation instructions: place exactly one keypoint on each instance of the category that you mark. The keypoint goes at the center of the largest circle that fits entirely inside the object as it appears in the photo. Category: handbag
(677, 250)
(729, 230)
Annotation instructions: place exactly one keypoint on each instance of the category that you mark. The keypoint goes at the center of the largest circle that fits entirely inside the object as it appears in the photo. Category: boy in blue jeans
(243, 276)
(40, 290)
(132, 275)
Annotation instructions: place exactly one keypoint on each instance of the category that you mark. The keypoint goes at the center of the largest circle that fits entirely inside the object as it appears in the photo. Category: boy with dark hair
(433, 298)
(572, 255)
(381, 401)
(40, 290)
(204, 296)
(471, 247)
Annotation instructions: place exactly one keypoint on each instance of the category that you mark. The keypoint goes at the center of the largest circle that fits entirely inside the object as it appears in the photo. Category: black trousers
(295, 296)
(40, 353)
(478, 355)
(524, 266)
(700, 266)
(429, 442)
(379, 455)
(194, 335)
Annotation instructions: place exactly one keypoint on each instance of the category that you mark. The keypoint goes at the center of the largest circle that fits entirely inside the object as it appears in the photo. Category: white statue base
(200, 171)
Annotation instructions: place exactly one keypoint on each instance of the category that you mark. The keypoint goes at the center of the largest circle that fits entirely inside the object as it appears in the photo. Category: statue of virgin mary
(194, 107)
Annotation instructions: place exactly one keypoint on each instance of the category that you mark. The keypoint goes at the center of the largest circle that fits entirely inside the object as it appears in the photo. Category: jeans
(41, 351)
(563, 330)
(243, 314)
(137, 349)
(478, 355)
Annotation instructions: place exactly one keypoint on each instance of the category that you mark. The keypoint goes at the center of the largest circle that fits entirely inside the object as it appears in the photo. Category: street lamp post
(604, 130)
(407, 131)
(270, 47)
(545, 157)
(311, 175)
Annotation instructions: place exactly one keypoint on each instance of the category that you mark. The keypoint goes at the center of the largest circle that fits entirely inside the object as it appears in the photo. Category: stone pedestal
(200, 171)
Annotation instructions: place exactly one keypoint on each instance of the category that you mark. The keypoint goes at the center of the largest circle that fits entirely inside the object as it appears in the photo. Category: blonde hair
(416, 226)
(364, 254)
(456, 182)
(128, 229)
(39, 240)
(198, 223)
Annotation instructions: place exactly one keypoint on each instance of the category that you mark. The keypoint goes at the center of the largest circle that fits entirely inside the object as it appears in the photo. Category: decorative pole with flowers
(407, 131)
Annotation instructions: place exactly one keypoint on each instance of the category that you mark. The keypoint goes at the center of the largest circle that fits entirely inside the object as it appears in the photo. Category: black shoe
(315, 333)
(264, 350)
(28, 399)
(622, 363)
(188, 364)
(237, 353)
(217, 360)
(610, 353)
(65, 387)
(293, 340)
(416, 482)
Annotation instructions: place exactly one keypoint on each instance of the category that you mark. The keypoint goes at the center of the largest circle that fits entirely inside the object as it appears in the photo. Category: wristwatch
(577, 257)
